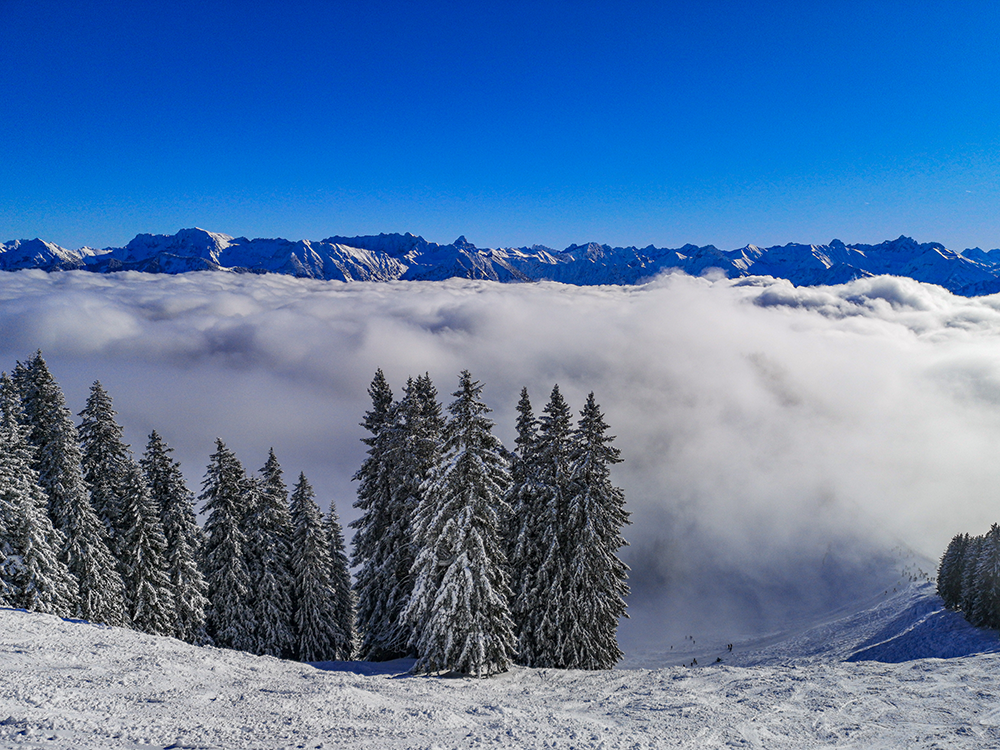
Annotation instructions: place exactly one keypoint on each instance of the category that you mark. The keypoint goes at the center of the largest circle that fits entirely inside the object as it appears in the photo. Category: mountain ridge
(389, 257)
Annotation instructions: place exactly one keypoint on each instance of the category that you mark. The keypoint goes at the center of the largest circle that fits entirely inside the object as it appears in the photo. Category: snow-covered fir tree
(377, 537)
(413, 445)
(949, 576)
(32, 576)
(316, 616)
(106, 463)
(970, 571)
(86, 548)
(592, 527)
(524, 539)
(986, 595)
(546, 588)
(149, 595)
(268, 529)
(340, 579)
(51, 431)
(183, 536)
(458, 610)
(230, 617)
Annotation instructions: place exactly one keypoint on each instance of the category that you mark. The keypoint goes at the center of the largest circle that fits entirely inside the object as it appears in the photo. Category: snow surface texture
(388, 257)
(67, 684)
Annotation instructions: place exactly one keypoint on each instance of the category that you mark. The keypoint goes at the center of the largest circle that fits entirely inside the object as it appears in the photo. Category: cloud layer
(767, 429)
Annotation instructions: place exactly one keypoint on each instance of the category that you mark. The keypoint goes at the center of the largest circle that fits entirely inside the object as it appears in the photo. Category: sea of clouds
(777, 440)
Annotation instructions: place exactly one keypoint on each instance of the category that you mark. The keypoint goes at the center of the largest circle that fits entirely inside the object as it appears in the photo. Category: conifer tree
(230, 617)
(413, 444)
(970, 570)
(268, 529)
(546, 588)
(986, 596)
(316, 615)
(592, 529)
(86, 549)
(459, 607)
(57, 457)
(149, 594)
(949, 577)
(524, 539)
(375, 549)
(106, 462)
(183, 537)
(340, 579)
(31, 574)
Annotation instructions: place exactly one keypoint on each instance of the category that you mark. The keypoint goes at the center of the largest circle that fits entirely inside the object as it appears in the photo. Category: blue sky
(512, 123)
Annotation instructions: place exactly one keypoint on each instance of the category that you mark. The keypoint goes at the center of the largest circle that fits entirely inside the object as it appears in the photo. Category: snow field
(66, 684)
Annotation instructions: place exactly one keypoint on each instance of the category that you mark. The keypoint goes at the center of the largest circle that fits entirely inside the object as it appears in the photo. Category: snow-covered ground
(897, 671)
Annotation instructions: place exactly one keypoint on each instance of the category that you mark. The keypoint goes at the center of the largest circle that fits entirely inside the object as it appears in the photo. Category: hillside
(898, 673)
(387, 257)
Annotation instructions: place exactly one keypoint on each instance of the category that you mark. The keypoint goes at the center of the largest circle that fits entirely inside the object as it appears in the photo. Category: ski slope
(897, 672)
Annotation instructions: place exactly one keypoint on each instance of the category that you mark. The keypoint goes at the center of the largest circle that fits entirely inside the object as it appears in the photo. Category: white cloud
(760, 422)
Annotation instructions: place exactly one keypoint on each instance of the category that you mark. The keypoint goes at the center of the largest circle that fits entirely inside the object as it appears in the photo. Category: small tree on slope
(230, 621)
(268, 529)
(592, 530)
(31, 574)
(459, 607)
(183, 536)
(316, 615)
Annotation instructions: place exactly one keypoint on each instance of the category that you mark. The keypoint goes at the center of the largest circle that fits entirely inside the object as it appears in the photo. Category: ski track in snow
(66, 684)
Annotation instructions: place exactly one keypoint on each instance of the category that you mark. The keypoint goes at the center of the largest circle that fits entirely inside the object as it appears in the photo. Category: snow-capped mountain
(387, 257)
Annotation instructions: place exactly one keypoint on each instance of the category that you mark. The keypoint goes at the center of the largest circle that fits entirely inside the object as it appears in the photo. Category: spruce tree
(268, 529)
(413, 440)
(106, 462)
(524, 539)
(230, 617)
(986, 597)
(458, 610)
(376, 552)
(183, 537)
(970, 570)
(340, 579)
(949, 577)
(592, 529)
(546, 598)
(316, 615)
(31, 574)
(86, 549)
(149, 594)
(57, 457)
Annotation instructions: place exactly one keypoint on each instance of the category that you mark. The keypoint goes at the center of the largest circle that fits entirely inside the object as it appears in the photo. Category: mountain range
(387, 257)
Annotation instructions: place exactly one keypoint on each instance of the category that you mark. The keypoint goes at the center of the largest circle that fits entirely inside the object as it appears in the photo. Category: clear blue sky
(512, 123)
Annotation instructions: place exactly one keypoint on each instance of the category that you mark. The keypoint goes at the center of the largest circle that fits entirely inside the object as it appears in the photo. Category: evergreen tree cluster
(471, 557)
(968, 577)
(88, 531)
